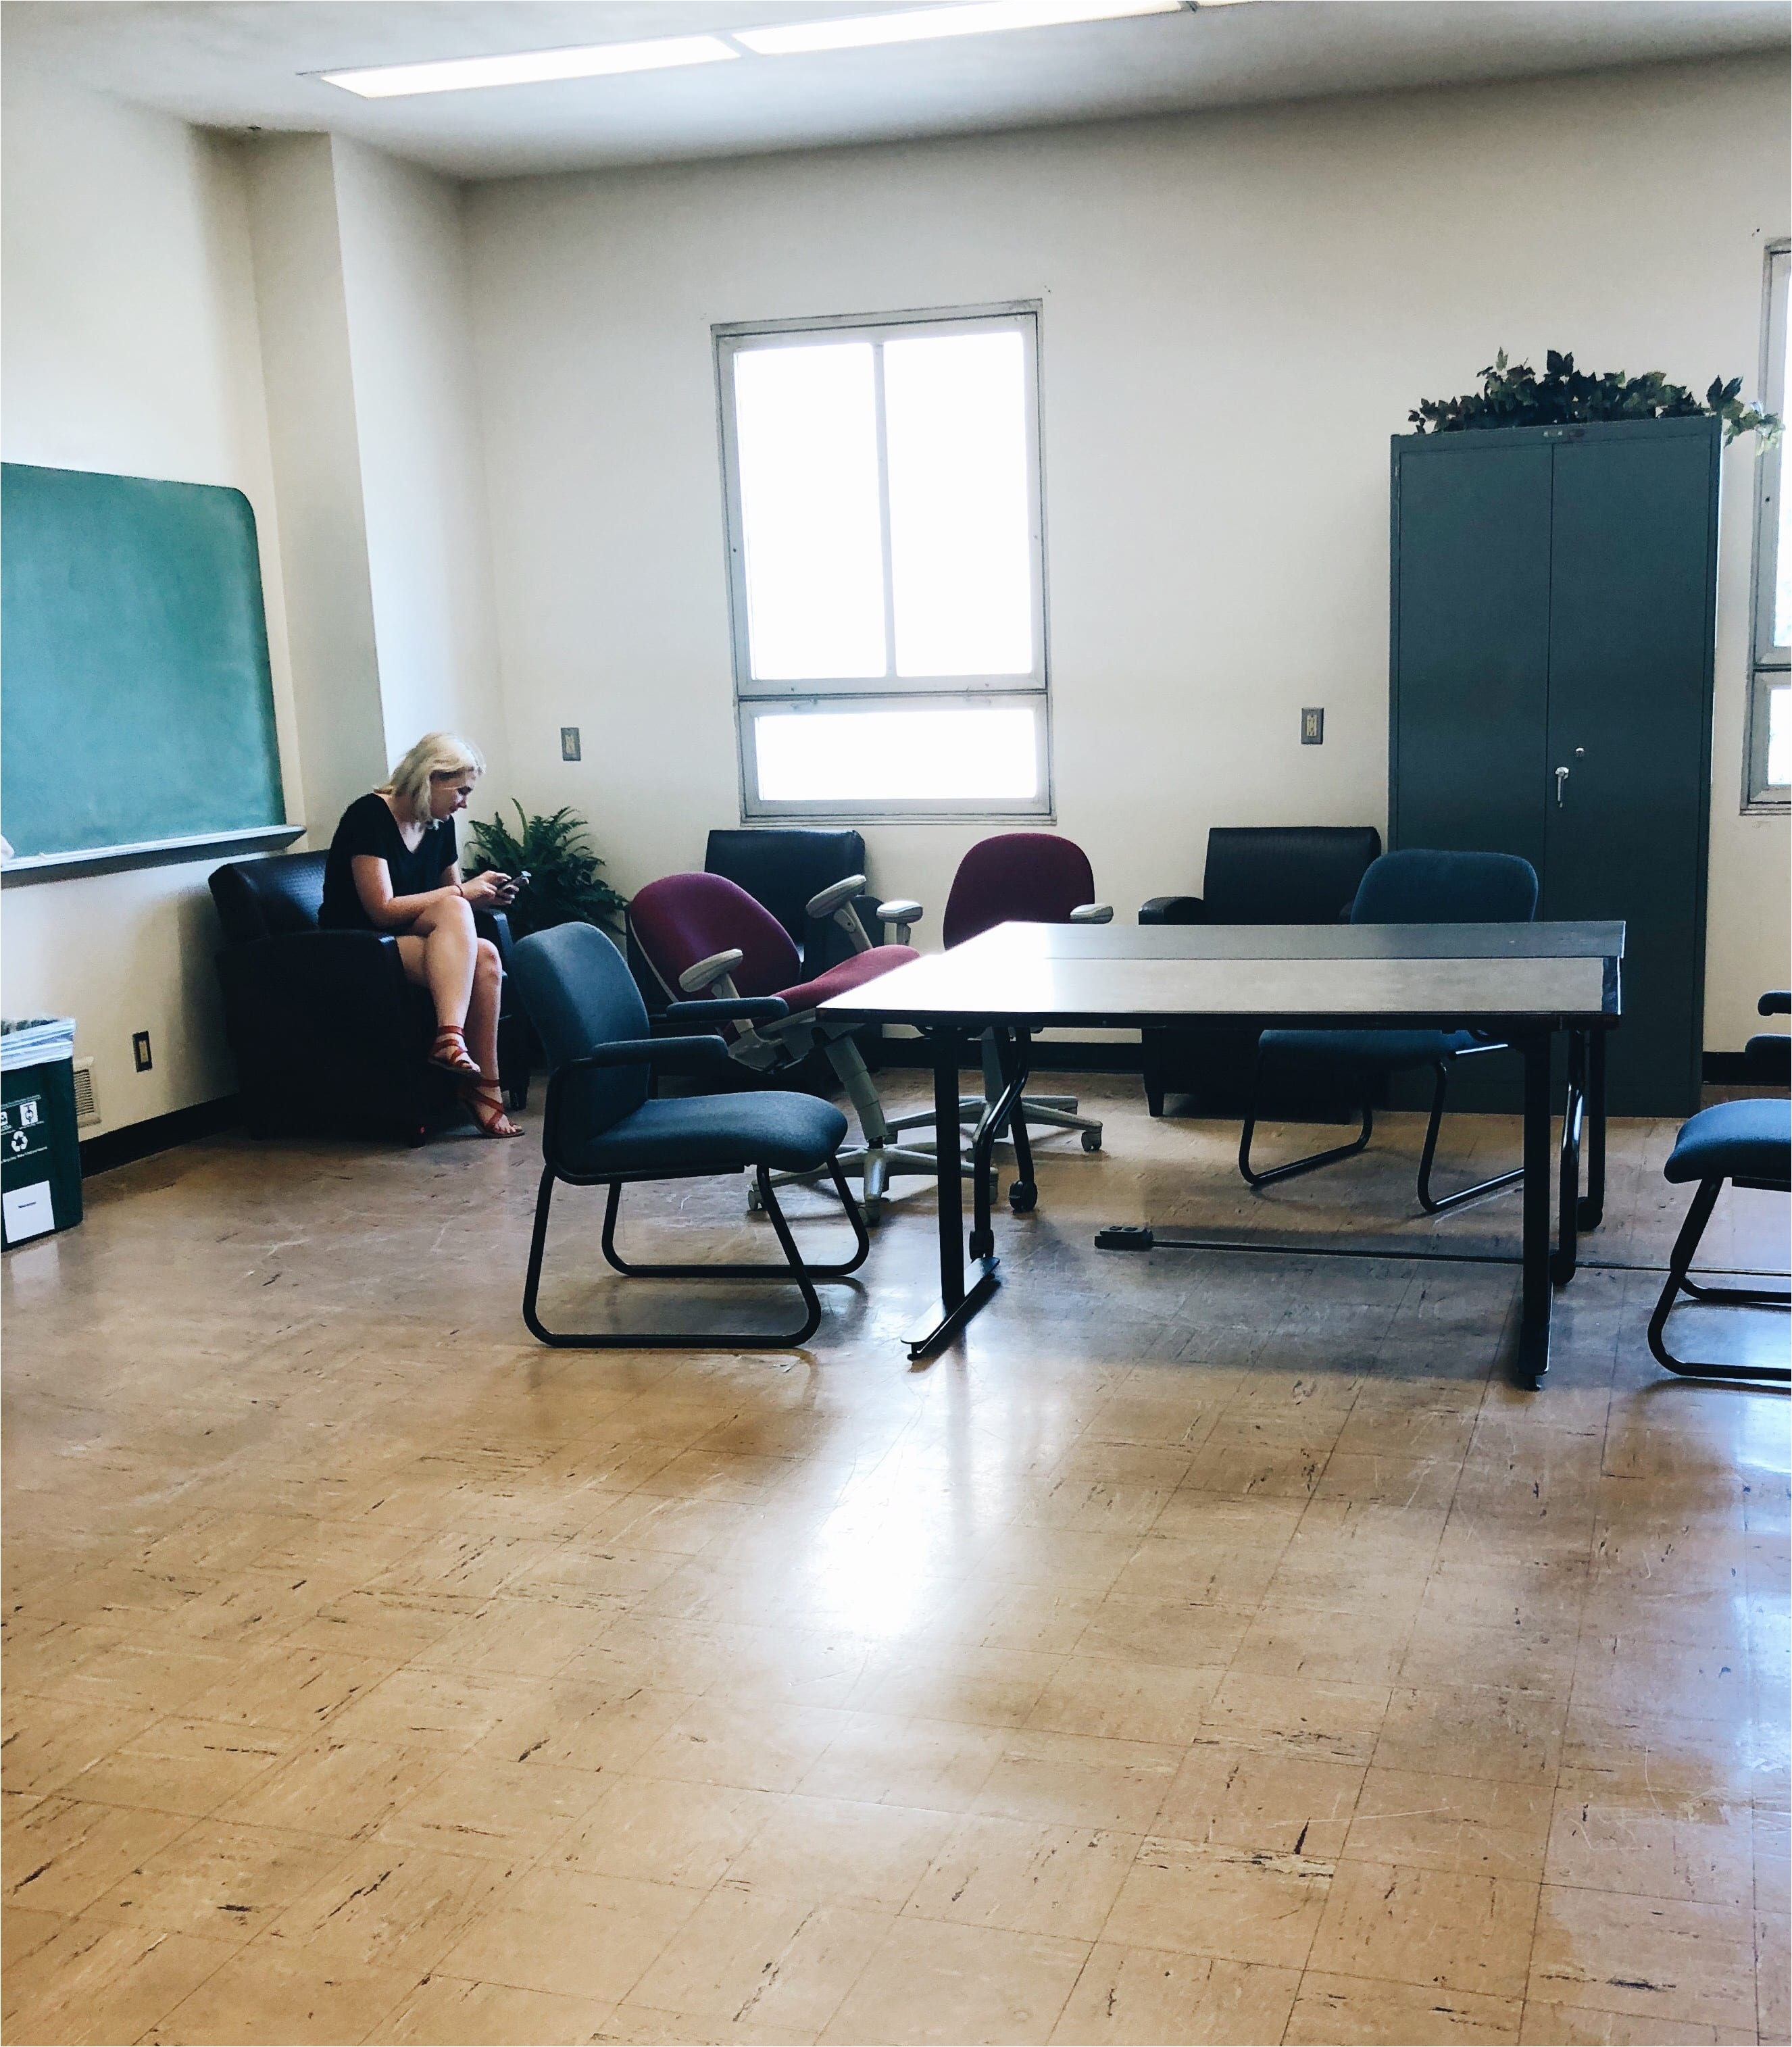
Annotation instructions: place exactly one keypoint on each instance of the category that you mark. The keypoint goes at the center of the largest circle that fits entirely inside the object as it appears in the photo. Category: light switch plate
(1313, 726)
(569, 743)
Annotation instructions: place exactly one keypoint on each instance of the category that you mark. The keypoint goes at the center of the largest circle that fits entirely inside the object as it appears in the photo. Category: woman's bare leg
(485, 1096)
(450, 947)
(482, 1007)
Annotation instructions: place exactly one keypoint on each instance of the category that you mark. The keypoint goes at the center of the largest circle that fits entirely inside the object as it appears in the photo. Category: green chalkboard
(135, 700)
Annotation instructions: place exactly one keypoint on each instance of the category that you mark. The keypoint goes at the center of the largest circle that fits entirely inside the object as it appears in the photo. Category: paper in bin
(34, 1041)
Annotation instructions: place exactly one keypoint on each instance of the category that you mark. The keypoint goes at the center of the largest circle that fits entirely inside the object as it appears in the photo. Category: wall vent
(86, 1096)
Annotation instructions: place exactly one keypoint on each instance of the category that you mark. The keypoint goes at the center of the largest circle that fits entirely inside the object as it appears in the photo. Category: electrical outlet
(569, 743)
(139, 1050)
(1313, 727)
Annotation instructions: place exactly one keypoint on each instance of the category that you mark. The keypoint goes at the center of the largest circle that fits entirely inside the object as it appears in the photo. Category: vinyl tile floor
(1209, 1647)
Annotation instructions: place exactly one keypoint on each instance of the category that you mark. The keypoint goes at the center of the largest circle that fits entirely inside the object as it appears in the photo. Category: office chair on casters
(1022, 877)
(603, 1128)
(702, 935)
(1748, 1144)
(1414, 887)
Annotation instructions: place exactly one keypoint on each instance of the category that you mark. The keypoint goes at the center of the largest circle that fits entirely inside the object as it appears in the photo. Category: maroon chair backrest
(687, 917)
(1018, 878)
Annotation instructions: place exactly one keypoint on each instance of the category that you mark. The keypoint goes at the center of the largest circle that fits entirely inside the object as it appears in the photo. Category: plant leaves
(1513, 395)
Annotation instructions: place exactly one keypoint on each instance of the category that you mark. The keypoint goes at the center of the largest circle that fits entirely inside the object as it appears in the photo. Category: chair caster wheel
(1022, 1198)
(873, 1211)
(1092, 1138)
(754, 1202)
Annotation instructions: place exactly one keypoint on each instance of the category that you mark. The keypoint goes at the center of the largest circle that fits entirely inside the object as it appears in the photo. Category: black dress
(369, 827)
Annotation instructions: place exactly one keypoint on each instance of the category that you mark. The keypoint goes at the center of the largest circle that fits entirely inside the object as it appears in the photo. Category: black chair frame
(1769, 1059)
(1432, 1204)
(673, 1052)
(1685, 1248)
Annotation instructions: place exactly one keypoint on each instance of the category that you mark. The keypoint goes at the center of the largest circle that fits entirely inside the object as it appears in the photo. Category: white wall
(1239, 309)
(301, 302)
(422, 476)
(130, 345)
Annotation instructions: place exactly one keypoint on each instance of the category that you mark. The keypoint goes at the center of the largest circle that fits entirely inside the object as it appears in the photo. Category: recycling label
(23, 1130)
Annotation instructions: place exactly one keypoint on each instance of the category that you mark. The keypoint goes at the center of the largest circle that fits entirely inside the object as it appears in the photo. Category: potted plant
(563, 886)
(1513, 395)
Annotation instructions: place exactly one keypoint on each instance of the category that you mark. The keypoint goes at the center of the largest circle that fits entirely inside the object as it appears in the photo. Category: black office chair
(1255, 874)
(603, 1128)
(783, 869)
(328, 1036)
(1749, 1144)
(1413, 887)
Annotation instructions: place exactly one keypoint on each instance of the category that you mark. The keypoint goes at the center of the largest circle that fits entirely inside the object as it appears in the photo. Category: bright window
(886, 562)
(1770, 707)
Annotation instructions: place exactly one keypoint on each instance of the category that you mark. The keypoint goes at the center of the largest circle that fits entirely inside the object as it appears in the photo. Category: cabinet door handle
(1561, 784)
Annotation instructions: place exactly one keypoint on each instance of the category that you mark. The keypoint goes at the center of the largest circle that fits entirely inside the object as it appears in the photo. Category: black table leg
(957, 1303)
(1568, 1196)
(1002, 1114)
(1533, 1320)
(1592, 1202)
(1024, 1195)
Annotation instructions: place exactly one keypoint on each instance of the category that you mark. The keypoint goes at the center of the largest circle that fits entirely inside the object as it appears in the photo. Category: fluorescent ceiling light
(918, 24)
(529, 67)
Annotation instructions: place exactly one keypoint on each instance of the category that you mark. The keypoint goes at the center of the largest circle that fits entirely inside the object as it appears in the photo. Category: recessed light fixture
(906, 24)
(529, 67)
(921, 23)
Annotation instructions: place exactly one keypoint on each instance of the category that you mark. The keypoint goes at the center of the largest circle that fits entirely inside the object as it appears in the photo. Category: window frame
(1770, 667)
(890, 691)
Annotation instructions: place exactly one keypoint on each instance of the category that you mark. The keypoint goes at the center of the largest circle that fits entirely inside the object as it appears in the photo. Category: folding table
(1523, 984)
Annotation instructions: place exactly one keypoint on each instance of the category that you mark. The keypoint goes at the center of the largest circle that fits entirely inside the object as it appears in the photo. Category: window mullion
(884, 510)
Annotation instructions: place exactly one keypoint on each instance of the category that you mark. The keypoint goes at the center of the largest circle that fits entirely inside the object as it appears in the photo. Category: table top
(1458, 975)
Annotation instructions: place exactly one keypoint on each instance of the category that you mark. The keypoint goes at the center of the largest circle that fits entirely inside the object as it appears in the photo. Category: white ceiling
(235, 66)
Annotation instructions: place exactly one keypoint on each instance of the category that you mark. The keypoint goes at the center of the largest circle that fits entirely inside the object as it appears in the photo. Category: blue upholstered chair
(603, 1126)
(1748, 1144)
(1413, 887)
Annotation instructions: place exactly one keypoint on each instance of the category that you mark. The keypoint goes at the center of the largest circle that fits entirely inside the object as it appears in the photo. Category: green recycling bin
(39, 1152)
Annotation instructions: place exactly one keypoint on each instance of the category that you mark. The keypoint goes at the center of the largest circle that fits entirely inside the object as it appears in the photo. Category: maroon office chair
(703, 936)
(1023, 878)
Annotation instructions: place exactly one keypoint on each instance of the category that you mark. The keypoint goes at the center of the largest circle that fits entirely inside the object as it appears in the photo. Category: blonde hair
(436, 753)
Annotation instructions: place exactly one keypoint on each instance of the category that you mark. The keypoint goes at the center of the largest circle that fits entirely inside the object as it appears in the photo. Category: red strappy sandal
(449, 1053)
(483, 1100)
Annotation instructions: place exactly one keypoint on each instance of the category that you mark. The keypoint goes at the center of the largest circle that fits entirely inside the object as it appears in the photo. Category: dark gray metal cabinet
(1554, 596)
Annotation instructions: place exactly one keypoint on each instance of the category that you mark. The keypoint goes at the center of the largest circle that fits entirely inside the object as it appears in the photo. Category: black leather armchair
(328, 1036)
(1268, 874)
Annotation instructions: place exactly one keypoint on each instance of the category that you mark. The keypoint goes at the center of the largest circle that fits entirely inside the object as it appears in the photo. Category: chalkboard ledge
(150, 853)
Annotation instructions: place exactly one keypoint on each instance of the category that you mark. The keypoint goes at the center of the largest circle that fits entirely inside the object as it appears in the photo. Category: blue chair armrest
(739, 1009)
(665, 1055)
(1173, 909)
(1776, 1002)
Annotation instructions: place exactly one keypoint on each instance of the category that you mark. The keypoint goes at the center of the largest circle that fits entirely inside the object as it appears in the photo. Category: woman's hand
(488, 891)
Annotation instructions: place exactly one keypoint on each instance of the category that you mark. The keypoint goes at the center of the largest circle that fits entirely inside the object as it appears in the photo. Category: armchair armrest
(1173, 909)
(665, 1055)
(823, 904)
(493, 924)
(707, 973)
(741, 1009)
(1093, 913)
(307, 964)
(1776, 1002)
(315, 995)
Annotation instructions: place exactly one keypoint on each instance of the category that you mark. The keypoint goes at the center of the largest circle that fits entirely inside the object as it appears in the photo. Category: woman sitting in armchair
(394, 866)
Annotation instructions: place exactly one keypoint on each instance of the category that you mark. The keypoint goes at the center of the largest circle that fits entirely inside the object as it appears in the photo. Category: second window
(886, 565)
